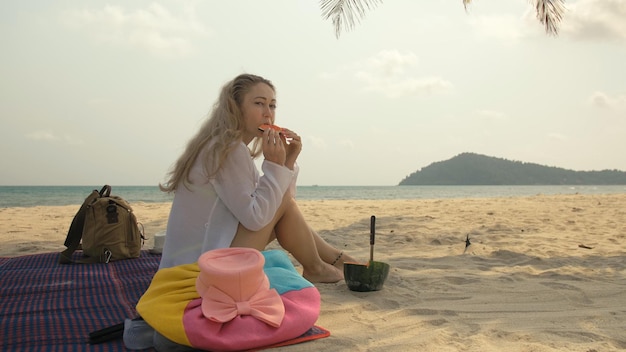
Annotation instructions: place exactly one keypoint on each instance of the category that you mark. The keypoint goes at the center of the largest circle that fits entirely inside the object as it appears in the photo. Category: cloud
(318, 143)
(154, 29)
(390, 63)
(348, 144)
(389, 73)
(394, 88)
(596, 19)
(42, 136)
(605, 101)
(47, 136)
(558, 137)
(491, 115)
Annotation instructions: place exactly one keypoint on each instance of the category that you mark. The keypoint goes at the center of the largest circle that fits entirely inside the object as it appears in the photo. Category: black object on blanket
(107, 334)
(45, 306)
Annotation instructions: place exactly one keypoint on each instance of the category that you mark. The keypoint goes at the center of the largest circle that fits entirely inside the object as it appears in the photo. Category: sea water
(28, 196)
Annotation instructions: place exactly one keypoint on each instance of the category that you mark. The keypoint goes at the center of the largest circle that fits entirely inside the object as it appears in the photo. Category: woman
(220, 198)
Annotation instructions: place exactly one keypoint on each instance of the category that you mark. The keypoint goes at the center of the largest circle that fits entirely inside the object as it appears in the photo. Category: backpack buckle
(107, 256)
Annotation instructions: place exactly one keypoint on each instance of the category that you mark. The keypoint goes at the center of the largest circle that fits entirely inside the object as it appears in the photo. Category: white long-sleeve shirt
(205, 216)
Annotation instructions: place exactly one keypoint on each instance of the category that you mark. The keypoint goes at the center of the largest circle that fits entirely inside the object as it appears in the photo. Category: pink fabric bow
(265, 305)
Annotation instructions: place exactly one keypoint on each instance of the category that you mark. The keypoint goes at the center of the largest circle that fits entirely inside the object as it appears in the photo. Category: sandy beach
(543, 273)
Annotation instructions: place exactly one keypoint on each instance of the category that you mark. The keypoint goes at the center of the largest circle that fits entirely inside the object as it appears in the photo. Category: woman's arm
(252, 199)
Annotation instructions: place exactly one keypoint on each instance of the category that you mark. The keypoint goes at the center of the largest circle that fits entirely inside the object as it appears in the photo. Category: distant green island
(476, 169)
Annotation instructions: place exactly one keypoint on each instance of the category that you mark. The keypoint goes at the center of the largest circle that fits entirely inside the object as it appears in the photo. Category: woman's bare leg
(295, 236)
(330, 254)
(259, 239)
(253, 239)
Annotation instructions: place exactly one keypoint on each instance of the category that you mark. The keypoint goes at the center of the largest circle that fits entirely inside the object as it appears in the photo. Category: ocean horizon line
(27, 196)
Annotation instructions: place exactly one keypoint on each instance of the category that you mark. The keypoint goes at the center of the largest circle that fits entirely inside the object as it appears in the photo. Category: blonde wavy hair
(224, 125)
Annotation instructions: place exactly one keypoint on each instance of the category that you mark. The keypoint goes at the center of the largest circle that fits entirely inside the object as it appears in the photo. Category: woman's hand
(293, 146)
(274, 146)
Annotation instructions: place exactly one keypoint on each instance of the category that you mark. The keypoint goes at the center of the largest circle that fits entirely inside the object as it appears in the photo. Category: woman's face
(258, 107)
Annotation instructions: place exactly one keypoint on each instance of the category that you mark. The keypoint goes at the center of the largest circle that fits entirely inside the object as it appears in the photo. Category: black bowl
(365, 278)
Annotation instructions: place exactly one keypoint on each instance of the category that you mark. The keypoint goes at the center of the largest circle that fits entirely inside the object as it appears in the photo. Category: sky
(96, 92)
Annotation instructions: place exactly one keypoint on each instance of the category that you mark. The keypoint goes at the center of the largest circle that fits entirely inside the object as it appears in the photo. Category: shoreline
(37, 229)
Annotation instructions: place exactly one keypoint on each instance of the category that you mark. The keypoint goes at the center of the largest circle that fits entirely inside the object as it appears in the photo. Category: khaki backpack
(107, 227)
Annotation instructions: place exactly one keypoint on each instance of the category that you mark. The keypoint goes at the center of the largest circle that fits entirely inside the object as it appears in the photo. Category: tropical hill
(476, 169)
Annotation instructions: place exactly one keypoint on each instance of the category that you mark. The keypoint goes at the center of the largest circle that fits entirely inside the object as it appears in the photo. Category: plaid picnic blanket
(46, 306)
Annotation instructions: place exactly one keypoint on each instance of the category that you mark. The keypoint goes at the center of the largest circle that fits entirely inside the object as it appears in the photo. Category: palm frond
(550, 14)
(346, 13)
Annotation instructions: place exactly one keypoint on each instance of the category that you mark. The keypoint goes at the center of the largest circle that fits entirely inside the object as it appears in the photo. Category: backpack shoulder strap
(75, 233)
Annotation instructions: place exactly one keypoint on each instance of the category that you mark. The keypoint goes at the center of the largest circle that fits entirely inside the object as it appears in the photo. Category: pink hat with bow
(232, 283)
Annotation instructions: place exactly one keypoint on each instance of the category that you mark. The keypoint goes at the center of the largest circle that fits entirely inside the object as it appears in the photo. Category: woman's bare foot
(326, 273)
